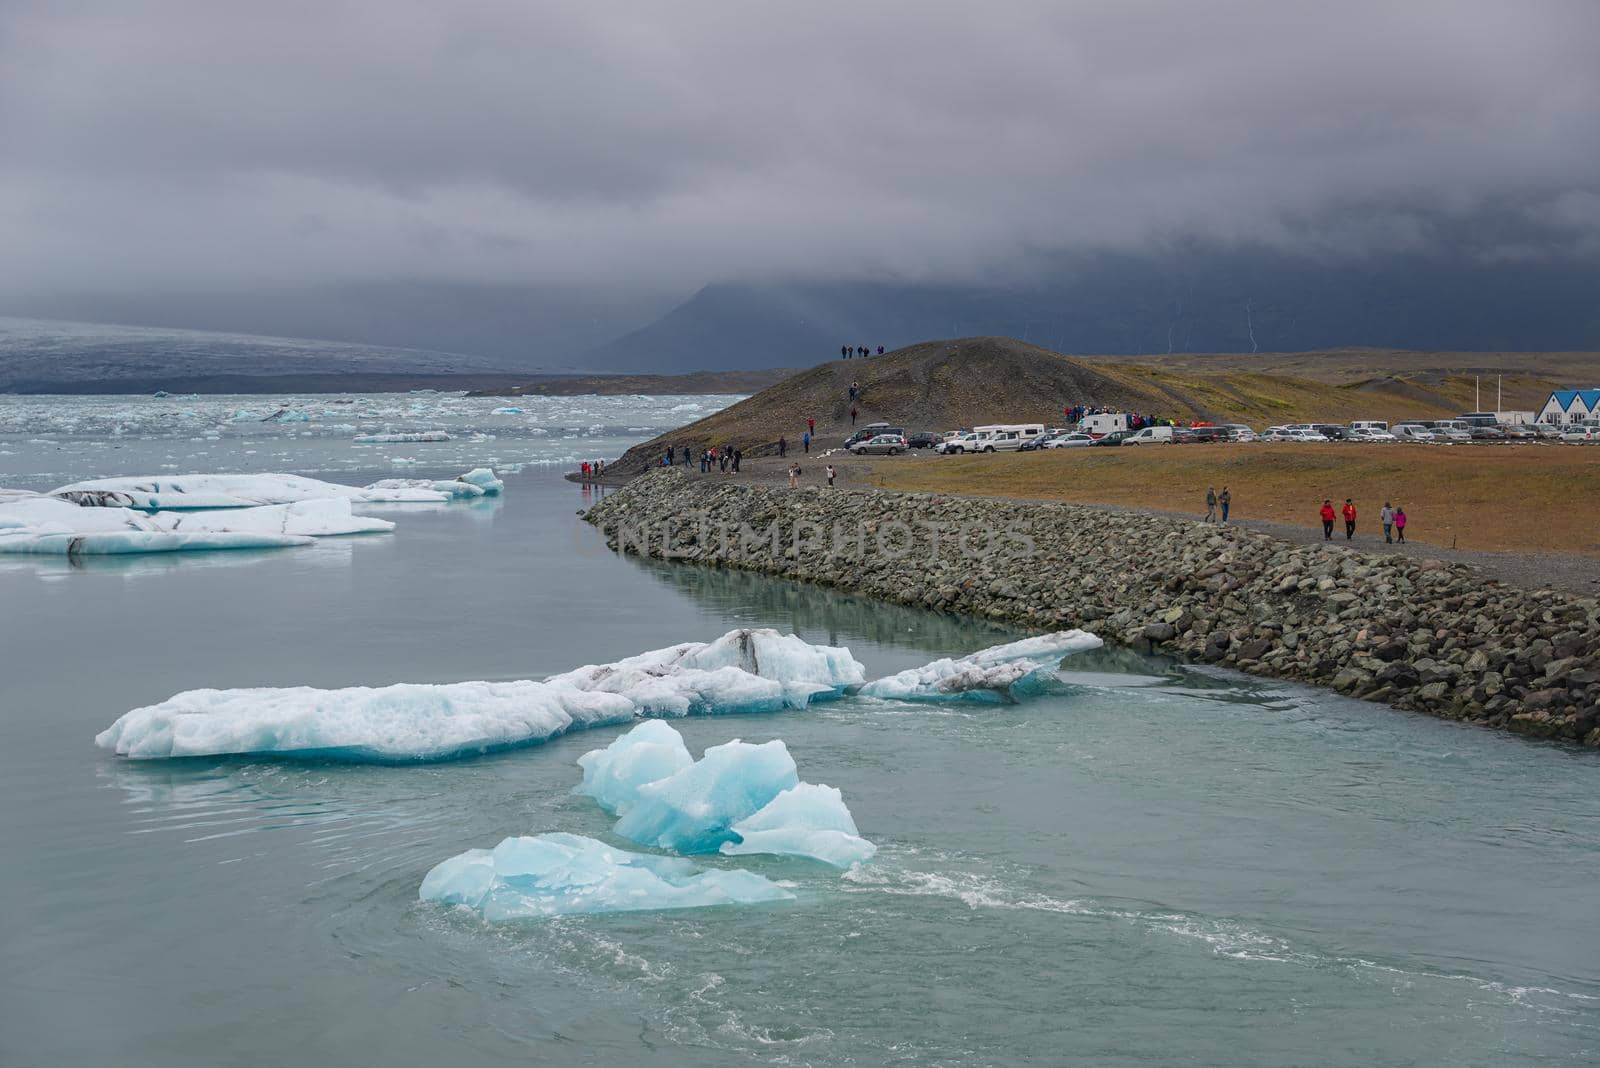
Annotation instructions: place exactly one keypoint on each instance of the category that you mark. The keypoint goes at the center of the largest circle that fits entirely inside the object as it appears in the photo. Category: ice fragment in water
(806, 820)
(612, 776)
(1003, 673)
(694, 810)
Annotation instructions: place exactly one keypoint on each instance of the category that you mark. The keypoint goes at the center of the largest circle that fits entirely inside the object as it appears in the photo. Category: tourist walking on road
(686, 456)
(831, 474)
(738, 454)
(1349, 511)
(805, 441)
(1224, 499)
(794, 476)
(1211, 505)
(1386, 517)
(1400, 524)
(1327, 519)
(811, 426)
(852, 415)
(783, 446)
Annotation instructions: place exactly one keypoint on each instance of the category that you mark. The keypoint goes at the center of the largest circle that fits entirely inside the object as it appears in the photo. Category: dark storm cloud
(229, 145)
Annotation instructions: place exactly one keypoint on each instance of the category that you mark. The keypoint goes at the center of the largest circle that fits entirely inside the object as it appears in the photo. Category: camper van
(1104, 423)
(1151, 435)
(1006, 437)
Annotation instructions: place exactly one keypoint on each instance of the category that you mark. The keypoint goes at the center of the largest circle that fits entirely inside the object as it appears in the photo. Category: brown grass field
(1519, 498)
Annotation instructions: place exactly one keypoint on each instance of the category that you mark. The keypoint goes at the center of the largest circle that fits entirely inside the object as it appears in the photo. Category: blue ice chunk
(559, 874)
(806, 820)
(613, 775)
(694, 810)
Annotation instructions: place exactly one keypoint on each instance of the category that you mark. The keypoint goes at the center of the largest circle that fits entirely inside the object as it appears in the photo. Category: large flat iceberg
(390, 724)
(806, 820)
(1002, 673)
(50, 525)
(567, 874)
(242, 491)
(410, 722)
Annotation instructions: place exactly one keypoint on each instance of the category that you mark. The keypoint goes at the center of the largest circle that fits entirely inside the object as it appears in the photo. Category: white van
(1369, 424)
(1411, 432)
(1100, 425)
(1151, 435)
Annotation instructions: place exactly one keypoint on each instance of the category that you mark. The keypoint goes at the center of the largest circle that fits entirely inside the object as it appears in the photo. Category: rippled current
(1162, 864)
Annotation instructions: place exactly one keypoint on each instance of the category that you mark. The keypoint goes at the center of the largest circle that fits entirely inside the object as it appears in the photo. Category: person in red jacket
(1327, 520)
(1349, 511)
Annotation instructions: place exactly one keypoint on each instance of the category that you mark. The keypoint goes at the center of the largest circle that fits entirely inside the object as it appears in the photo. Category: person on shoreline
(794, 476)
(1211, 505)
(1400, 524)
(1349, 511)
(1386, 518)
(831, 474)
(586, 470)
(1225, 499)
(1327, 519)
(783, 446)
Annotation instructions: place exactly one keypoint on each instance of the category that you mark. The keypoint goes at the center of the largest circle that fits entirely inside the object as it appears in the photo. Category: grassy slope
(1523, 498)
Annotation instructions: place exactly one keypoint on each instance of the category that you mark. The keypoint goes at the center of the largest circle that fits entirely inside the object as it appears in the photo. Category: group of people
(1077, 413)
(1392, 519)
(1215, 500)
(592, 469)
(725, 459)
(795, 472)
(857, 351)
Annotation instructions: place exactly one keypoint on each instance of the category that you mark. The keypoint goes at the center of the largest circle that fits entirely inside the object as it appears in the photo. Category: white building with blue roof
(1571, 406)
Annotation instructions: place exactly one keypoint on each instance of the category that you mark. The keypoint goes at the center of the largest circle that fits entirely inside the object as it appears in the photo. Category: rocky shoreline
(1423, 635)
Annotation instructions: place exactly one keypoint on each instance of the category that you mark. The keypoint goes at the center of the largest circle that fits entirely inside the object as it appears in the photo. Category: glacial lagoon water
(1161, 864)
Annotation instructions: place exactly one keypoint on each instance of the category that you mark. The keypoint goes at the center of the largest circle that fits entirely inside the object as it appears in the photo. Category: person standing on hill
(831, 475)
(811, 426)
(1327, 519)
(1400, 524)
(794, 476)
(1386, 517)
(783, 446)
(686, 456)
(852, 415)
(1225, 499)
(1211, 504)
(880, 350)
(805, 442)
(1349, 511)
(738, 454)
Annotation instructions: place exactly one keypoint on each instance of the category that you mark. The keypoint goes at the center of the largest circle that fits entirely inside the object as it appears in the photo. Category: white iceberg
(747, 670)
(197, 492)
(434, 722)
(390, 724)
(806, 820)
(402, 437)
(1003, 673)
(694, 810)
(506, 411)
(49, 525)
(484, 479)
(479, 482)
(559, 874)
(612, 776)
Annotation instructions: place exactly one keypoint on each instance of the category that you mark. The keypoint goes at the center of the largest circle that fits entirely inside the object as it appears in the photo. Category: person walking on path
(811, 426)
(586, 470)
(1225, 499)
(794, 476)
(686, 456)
(1211, 504)
(1349, 511)
(805, 442)
(783, 446)
(852, 415)
(738, 454)
(1386, 517)
(1400, 524)
(1327, 519)
(831, 474)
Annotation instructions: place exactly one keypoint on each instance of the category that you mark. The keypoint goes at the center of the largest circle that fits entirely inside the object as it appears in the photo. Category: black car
(1116, 437)
(1332, 431)
(923, 439)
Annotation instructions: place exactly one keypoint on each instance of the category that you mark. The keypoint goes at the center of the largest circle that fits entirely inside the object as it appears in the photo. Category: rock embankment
(1418, 634)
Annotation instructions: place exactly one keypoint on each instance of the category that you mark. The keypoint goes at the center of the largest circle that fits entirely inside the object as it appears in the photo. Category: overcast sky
(209, 145)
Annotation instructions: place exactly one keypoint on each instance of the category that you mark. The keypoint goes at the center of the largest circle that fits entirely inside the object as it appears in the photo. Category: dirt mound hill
(936, 385)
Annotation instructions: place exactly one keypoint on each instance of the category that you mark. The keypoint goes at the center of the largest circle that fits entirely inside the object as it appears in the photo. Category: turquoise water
(1163, 864)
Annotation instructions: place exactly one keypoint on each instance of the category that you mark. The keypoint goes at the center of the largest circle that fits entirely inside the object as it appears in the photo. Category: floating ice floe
(389, 724)
(806, 820)
(402, 437)
(417, 722)
(568, 874)
(612, 776)
(506, 411)
(1002, 673)
(48, 525)
(750, 670)
(694, 810)
(234, 491)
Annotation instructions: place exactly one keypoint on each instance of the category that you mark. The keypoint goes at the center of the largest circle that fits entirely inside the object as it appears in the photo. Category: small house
(1571, 406)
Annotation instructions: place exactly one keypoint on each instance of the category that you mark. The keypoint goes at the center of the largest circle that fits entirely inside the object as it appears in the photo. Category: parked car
(1240, 432)
(1116, 437)
(880, 445)
(1209, 433)
(1411, 432)
(1518, 433)
(871, 430)
(959, 444)
(1582, 434)
(1546, 431)
(1368, 433)
(922, 439)
(1071, 440)
(1332, 431)
(1486, 433)
(1150, 435)
(1034, 443)
(1302, 434)
(1452, 434)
